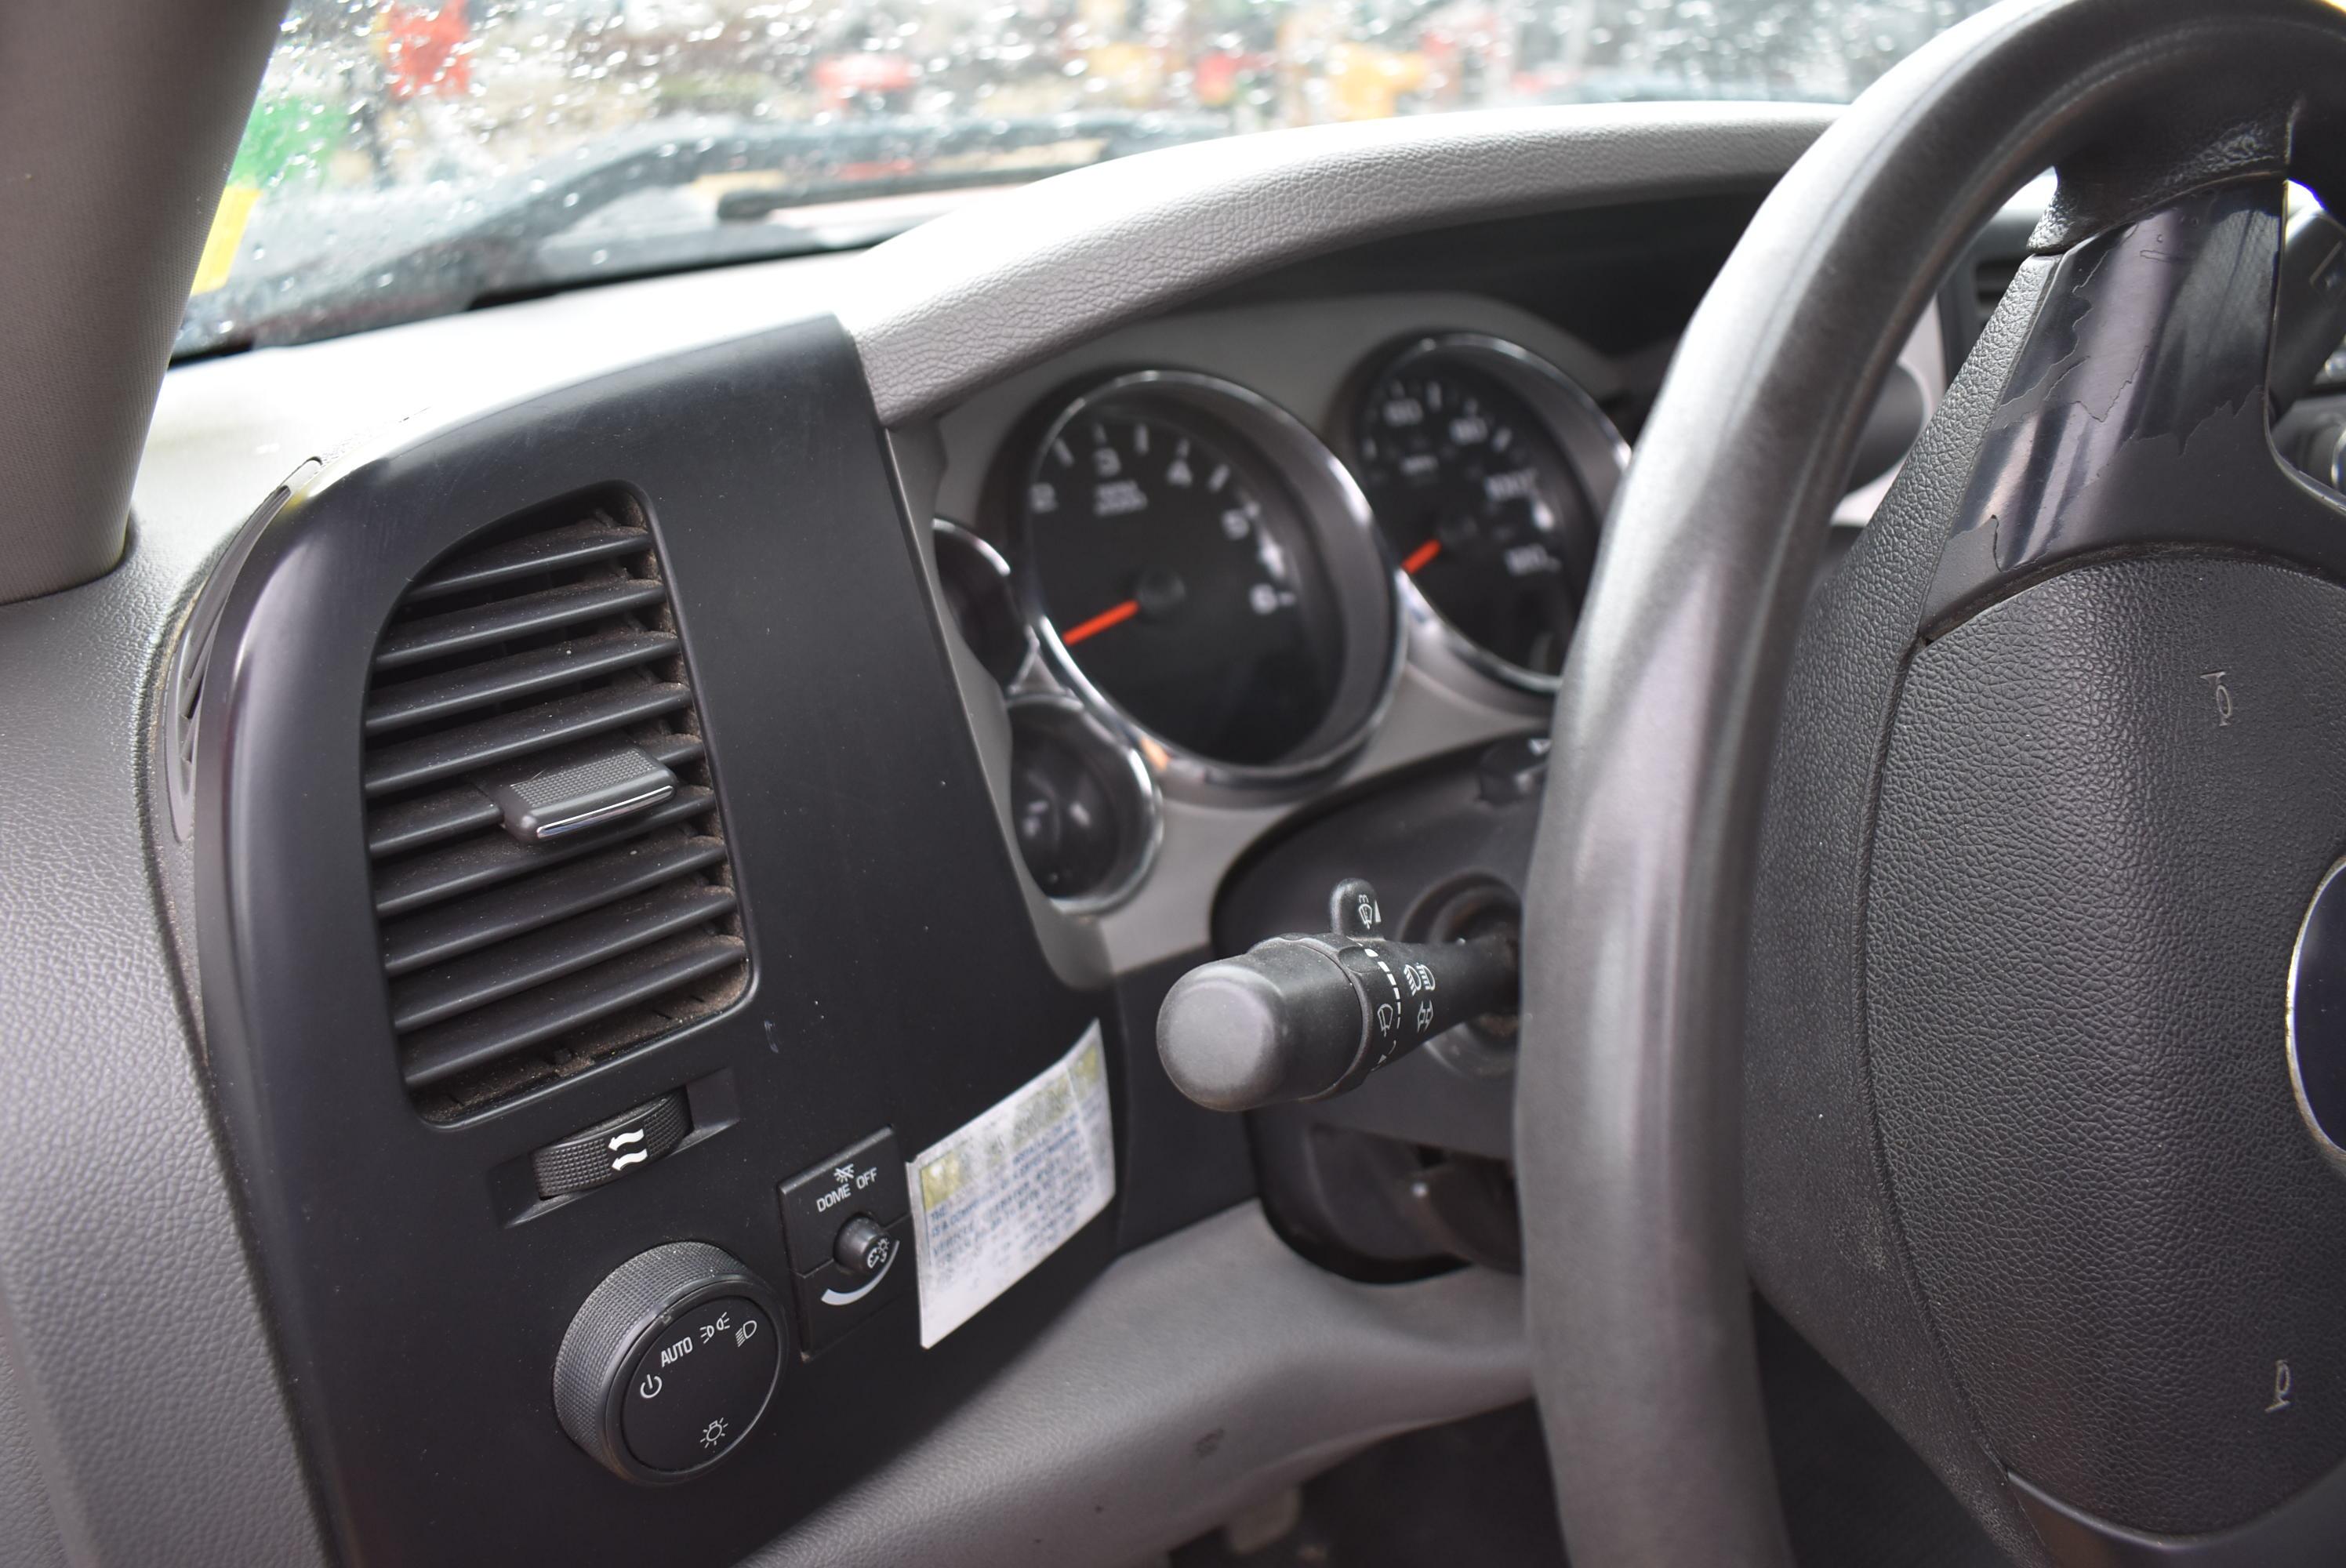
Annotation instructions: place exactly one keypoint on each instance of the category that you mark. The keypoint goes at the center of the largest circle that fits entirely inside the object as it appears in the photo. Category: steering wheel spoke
(2137, 410)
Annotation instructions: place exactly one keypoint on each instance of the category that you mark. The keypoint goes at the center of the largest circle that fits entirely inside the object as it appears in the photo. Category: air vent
(550, 876)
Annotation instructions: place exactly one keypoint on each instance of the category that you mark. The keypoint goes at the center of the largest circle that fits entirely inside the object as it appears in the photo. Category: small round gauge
(1082, 803)
(1202, 566)
(1488, 472)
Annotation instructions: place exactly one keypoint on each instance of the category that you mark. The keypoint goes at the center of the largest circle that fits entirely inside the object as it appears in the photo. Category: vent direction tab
(599, 790)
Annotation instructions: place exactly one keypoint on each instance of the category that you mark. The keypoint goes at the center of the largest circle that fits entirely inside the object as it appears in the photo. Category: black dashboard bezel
(416, 1323)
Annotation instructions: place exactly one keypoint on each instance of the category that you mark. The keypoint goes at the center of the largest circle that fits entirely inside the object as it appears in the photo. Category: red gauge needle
(1421, 555)
(1114, 615)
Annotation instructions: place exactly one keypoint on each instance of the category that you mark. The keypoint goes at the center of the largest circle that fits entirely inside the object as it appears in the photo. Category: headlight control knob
(670, 1362)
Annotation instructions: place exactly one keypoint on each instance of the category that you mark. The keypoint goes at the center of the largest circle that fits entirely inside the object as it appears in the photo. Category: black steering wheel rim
(1630, 1119)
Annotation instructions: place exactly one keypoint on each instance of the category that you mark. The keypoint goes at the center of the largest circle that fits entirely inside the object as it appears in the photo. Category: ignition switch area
(1308, 1017)
(1406, 1171)
(1477, 910)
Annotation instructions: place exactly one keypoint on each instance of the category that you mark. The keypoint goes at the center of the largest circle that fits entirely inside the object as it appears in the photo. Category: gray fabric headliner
(181, 1452)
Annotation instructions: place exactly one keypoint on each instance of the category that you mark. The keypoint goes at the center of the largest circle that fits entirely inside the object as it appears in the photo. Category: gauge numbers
(1180, 578)
(1479, 504)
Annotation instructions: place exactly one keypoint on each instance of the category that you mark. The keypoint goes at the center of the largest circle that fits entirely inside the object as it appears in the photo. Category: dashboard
(588, 903)
(1388, 570)
(988, 649)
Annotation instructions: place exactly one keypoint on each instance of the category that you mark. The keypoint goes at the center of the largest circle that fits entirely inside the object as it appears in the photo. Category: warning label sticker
(996, 1197)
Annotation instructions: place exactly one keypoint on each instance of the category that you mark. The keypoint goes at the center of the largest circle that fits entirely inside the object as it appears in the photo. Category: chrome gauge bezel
(1331, 505)
(1145, 801)
(1590, 444)
(950, 537)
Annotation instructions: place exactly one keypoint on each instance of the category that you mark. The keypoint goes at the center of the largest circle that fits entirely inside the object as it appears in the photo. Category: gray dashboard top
(131, 1319)
(971, 298)
(954, 304)
(172, 1444)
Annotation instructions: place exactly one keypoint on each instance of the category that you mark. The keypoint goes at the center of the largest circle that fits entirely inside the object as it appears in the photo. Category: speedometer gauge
(1197, 564)
(1192, 591)
(1488, 472)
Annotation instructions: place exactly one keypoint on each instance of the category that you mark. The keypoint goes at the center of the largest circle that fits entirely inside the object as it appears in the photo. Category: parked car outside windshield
(407, 159)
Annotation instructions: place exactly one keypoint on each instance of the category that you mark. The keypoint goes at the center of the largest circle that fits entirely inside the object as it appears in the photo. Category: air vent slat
(552, 952)
(493, 858)
(521, 675)
(482, 625)
(580, 544)
(428, 820)
(433, 1055)
(542, 652)
(437, 935)
(404, 764)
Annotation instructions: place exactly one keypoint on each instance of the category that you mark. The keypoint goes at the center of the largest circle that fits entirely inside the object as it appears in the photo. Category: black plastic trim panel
(896, 979)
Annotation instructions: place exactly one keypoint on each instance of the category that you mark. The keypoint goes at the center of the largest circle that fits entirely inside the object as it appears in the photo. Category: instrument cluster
(1175, 580)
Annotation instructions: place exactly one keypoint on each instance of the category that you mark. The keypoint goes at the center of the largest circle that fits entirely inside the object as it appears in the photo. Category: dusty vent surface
(521, 947)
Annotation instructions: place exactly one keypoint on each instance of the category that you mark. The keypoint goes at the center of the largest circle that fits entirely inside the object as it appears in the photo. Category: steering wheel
(1930, 953)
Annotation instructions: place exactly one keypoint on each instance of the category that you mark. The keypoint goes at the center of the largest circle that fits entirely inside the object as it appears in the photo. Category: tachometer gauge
(1197, 564)
(1489, 473)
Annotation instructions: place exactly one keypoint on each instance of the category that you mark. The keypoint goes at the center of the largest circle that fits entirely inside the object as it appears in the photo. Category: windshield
(407, 159)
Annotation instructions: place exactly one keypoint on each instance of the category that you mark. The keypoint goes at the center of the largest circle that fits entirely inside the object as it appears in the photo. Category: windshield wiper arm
(747, 205)
(439, 258)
